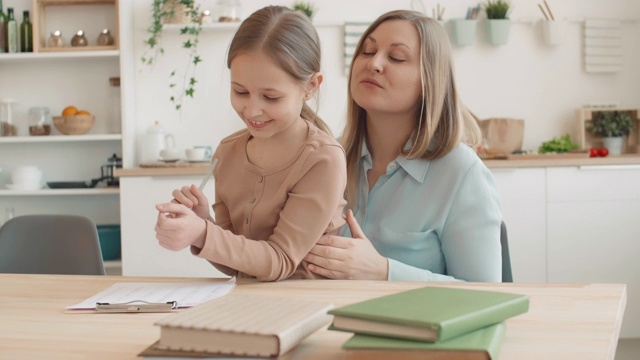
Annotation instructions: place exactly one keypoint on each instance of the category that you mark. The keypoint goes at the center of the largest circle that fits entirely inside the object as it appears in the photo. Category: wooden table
(576, 321)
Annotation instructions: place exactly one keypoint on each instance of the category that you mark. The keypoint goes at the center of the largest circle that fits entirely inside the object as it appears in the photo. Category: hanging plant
(185, 12)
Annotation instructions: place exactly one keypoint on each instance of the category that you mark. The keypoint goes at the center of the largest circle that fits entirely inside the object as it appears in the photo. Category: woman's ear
(313, 84)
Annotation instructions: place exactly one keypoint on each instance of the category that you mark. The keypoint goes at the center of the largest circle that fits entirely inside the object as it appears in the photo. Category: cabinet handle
(609, 167)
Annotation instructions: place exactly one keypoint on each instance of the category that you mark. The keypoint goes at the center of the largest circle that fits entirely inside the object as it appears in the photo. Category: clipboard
(136, 306)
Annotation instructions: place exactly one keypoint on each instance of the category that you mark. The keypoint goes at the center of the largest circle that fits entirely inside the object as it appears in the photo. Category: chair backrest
(507, 276)
(50, 244)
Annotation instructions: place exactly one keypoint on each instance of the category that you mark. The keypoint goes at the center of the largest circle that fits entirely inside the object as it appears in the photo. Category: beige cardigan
(268, 219)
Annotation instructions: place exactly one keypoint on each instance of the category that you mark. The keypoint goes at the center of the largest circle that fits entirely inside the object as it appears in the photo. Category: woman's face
(386, 72)
(265, 97)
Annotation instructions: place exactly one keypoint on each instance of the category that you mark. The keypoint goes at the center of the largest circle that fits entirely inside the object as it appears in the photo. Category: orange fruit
(69, 110)
(83, 112)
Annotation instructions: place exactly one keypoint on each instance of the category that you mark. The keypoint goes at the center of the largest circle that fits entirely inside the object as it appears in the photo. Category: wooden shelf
(587, 140)
(57, 192)
(21, 57)
(39, 22)
(59, 138)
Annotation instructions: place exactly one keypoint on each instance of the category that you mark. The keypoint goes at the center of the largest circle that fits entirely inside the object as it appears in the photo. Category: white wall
(524, 79)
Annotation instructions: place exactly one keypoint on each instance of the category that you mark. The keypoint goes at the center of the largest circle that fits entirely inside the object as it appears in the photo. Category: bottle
(12, 32)
(116, 111)
(3, 30)
(26, 33)
(105, 38)
(229, 10)
(79, 39)
(56, 39)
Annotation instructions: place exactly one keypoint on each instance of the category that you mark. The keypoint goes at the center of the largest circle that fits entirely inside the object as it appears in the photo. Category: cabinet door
(594, 231)
(141, 253)
(522, 199)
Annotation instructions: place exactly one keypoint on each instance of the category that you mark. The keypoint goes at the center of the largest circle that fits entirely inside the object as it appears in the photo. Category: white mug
(196, 154)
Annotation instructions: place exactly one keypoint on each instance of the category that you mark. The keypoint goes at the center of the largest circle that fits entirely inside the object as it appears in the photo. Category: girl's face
(386, 72)
(265, 97)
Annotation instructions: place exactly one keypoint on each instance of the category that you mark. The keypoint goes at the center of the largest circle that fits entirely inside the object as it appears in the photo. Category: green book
(482, 344)
(429, 314)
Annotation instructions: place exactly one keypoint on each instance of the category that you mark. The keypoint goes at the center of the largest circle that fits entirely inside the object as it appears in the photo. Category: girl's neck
(387, 135)
(280, 148)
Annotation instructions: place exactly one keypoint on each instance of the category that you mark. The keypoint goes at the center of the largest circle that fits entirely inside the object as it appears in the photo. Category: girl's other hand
(193, 198)
(338, 257)
(178, 227)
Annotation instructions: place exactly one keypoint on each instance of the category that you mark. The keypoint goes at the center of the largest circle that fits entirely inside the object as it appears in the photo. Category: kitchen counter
(631, 159)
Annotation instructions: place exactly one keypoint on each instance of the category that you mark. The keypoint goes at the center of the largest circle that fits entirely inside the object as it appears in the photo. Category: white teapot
(154, 140)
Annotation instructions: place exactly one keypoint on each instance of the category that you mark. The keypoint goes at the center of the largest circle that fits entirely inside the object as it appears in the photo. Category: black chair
(50, 244)
(507, 276)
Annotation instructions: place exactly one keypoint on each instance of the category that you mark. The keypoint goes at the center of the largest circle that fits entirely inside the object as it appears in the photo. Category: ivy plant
(161, 12)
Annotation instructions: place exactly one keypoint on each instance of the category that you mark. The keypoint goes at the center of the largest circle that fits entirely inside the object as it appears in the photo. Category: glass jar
(56, 39)
(114, 105)
(6, 118)
(79, 39)
(39, 121)
(105, 38)
(229, 10)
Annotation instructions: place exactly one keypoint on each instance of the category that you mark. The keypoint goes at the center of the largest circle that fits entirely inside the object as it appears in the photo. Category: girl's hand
(354, 258)
(178, 227)
(193, 198)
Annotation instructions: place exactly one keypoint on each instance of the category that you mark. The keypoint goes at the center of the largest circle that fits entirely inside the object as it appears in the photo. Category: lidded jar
(79, 39)
(229, 10)
(105, 38)
(56, 39)
(39, 121)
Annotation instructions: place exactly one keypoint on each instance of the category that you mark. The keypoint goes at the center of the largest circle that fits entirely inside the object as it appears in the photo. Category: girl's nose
(252, 108)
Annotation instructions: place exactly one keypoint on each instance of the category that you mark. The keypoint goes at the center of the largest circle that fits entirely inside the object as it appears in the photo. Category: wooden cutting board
(569, 155)
(177, 164)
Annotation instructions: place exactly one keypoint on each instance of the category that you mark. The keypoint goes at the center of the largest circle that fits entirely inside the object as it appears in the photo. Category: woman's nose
(376, 63)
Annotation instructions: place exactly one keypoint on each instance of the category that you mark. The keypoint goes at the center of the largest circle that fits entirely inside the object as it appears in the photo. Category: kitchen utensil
(73, 184)
(170, 154)
(209, 173)
(154, 140)
(196, 154)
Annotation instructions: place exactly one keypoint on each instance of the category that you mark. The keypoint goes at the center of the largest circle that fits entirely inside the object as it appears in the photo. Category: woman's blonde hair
(291, 41)
(441, 122)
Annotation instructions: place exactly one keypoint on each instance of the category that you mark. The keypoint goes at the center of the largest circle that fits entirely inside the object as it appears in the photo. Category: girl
(428, 206)
(280, 182)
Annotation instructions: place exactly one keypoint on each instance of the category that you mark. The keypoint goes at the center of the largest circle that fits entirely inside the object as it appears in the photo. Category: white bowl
(170, 154)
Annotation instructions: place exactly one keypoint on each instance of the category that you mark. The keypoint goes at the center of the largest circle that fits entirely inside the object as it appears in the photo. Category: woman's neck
(387, 135)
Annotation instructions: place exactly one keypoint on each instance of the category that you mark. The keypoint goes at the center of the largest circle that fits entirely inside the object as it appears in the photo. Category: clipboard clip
(136, 306)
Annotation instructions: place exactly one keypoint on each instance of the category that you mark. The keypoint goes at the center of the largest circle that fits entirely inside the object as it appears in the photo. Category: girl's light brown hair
(441, 121)
(291, 41)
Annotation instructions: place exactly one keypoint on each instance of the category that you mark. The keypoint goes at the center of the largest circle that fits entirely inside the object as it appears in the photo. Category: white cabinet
(141, 253)
(522, 199)
(593, 224)
(55, 80)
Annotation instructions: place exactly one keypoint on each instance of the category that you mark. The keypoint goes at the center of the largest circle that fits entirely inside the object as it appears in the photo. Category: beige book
(247, 325)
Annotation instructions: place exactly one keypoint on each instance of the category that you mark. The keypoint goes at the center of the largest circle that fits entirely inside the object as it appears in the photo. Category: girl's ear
(313, 84)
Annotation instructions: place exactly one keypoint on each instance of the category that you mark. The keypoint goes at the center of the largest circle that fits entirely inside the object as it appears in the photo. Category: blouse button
(252, 200)
(393, 166)
(246, 220)
(260, 178)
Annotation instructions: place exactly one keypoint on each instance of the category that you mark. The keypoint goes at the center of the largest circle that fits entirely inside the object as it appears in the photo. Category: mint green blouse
(435, 220)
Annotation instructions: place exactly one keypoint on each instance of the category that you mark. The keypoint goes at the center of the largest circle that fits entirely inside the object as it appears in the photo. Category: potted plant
(307, 8)
(498, 23)
(186, 12)
(612, 126)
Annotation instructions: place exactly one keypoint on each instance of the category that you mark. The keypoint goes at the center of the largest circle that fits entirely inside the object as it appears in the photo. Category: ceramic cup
(27, 176)
(208, 151)
(196, 154)
(170, 154)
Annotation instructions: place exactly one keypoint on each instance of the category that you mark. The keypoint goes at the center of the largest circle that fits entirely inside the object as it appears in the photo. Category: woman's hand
(193, 198)
(178, 227)
(354, 258)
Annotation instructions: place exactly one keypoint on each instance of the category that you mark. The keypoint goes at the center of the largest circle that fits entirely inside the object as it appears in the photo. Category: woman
(425, 208)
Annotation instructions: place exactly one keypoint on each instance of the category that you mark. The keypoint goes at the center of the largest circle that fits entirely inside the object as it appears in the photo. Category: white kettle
(154, 140)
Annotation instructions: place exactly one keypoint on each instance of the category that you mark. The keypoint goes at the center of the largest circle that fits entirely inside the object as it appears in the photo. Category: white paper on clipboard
(185, 294)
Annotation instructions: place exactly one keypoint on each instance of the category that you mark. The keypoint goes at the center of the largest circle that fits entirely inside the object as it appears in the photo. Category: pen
(136, 306)
(206, 178)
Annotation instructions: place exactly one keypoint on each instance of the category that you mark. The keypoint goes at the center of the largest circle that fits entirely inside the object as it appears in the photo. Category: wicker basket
(74, 125)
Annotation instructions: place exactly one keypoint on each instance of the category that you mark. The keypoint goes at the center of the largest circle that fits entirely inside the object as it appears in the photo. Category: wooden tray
(177, 164)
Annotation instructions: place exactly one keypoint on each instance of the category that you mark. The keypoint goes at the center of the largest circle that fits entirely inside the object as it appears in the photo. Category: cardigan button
(246, 220)
(260, 179)
(252, 200)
